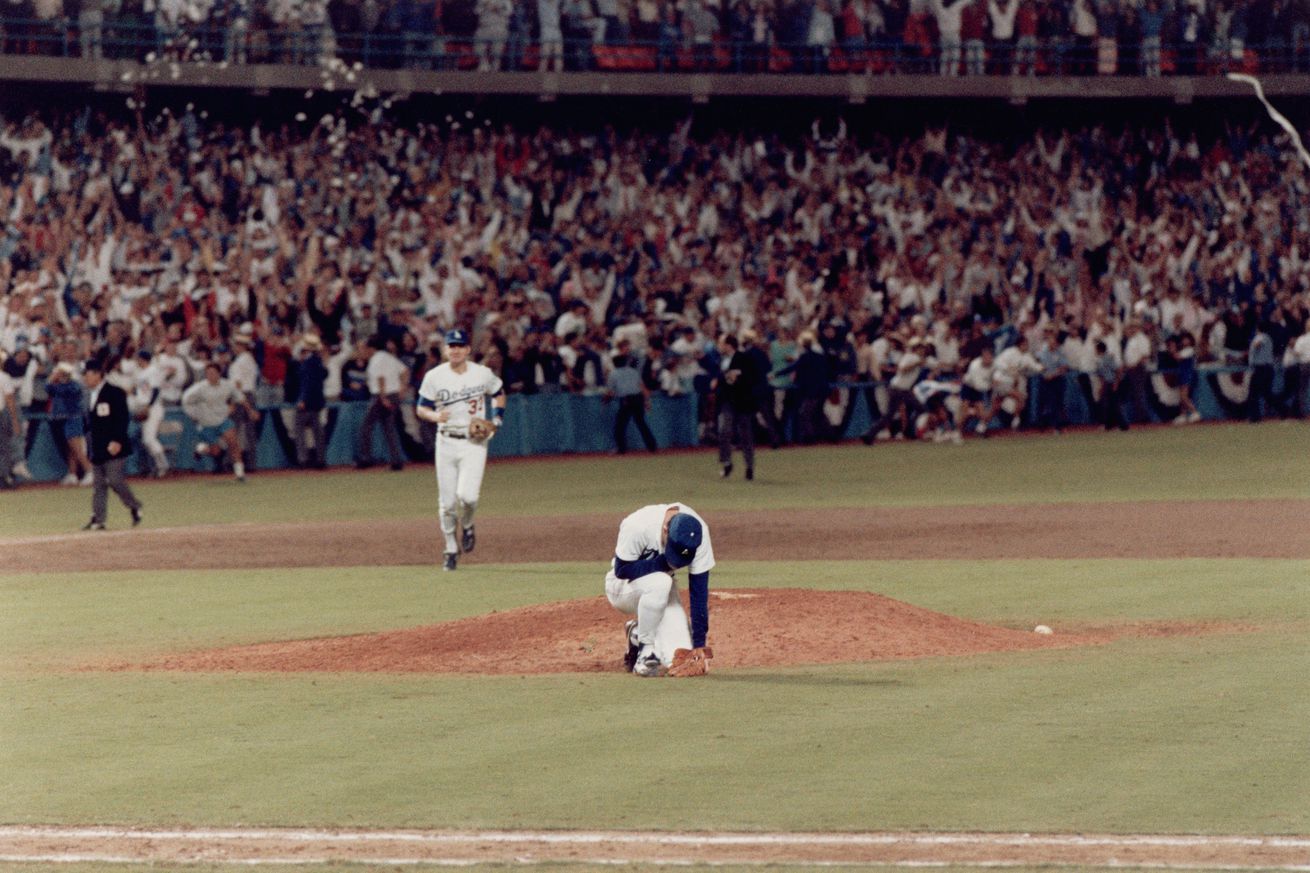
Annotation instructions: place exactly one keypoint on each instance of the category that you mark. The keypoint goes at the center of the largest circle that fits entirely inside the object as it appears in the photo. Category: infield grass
(1127, 737)
(64, 620)
(1134, 736)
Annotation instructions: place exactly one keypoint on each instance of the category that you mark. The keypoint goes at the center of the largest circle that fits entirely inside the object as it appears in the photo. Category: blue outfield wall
(543, 424)
(539, 424)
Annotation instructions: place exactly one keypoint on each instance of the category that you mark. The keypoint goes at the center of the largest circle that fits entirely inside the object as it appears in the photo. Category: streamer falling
(1278, 117)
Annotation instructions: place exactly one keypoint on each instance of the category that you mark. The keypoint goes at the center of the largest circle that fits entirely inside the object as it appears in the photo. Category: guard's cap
(457, 337)
(685, 535)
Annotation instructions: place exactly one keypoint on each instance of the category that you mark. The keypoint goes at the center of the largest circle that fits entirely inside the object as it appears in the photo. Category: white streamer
(1278, 117)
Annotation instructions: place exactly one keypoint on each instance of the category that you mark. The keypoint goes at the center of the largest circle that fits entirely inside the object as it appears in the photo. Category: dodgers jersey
(463, 394)
(147, 384)
(640, 533)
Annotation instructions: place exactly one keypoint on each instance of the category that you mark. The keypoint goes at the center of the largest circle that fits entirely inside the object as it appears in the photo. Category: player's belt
(454, 436)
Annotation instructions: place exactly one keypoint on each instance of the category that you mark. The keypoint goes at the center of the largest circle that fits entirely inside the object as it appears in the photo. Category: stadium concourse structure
(126, 75)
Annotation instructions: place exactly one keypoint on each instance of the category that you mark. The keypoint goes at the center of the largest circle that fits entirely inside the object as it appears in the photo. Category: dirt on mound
(750, 628)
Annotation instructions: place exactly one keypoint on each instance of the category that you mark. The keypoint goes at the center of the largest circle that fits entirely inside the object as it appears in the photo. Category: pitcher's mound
(749, 628)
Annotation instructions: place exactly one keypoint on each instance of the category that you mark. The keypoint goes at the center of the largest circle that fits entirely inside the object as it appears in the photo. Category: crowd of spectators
(881, 258)
(952, 37)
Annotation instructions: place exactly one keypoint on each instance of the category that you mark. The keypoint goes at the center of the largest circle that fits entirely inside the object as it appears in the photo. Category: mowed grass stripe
(1217, 462)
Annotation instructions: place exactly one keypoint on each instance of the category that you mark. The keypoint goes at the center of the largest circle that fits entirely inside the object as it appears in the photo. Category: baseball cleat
(469, 539)
(630, 636)
(726, 472)
(750, 474)
(94, 525)
(136, 516)
(449, 562)
(648, 663)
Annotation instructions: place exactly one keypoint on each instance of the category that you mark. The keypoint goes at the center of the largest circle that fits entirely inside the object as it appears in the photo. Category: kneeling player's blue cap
(685, 535)
(456, 337)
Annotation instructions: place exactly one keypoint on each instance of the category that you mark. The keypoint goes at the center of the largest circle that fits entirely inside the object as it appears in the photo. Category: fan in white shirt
(1010, 379)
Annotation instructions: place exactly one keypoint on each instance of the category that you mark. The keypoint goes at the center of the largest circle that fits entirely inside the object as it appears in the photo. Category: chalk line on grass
(255, 847)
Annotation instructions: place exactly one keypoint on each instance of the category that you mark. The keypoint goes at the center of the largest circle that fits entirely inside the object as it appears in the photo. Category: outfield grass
(1211, 462)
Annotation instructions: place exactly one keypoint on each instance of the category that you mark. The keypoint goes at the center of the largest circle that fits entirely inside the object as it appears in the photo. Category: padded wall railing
(546, 424)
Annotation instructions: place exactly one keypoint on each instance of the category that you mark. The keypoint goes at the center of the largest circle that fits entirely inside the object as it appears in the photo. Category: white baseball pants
(150, 437)
(460, 465)
(661, 620)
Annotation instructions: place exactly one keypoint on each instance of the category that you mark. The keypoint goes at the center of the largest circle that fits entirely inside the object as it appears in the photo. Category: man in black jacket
(310, 402)
(750, 347)
(737, 389)
(107, 419)
(813, 381)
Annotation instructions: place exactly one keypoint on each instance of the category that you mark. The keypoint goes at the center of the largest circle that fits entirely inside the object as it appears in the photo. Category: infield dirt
(1173, 529)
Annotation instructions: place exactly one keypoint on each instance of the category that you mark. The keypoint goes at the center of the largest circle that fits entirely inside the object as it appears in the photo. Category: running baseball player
(654, 542)
(147, 405)
(453, 396)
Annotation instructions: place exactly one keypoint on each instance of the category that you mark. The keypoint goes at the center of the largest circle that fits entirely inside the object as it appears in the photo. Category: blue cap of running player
(685, 535)
(456, 337)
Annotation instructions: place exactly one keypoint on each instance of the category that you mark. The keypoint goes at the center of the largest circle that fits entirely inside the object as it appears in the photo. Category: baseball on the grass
(1042, 629)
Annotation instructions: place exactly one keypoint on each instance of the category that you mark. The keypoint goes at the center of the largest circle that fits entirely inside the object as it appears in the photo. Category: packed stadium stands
(198, 239)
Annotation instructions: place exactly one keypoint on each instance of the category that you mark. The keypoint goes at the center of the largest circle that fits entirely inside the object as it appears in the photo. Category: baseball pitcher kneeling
(654, 543)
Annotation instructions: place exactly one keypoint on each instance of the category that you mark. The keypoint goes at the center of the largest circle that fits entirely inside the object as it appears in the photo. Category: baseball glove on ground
(691, 662)
(480, 429)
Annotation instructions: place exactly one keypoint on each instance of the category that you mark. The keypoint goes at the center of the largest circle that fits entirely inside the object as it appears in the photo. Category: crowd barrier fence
(559, 423)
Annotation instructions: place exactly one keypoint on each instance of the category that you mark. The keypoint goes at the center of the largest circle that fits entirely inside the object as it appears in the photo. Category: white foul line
(93, 858)
(77, 536)
(206, 854)
(647, 838)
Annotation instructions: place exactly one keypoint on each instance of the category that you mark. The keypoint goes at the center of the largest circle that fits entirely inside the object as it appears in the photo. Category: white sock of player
(448, 532)
(239, 469)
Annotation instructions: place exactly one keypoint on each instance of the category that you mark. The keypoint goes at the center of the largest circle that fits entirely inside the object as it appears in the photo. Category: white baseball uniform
(653, 597)
(460, 461)
(147, 387)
